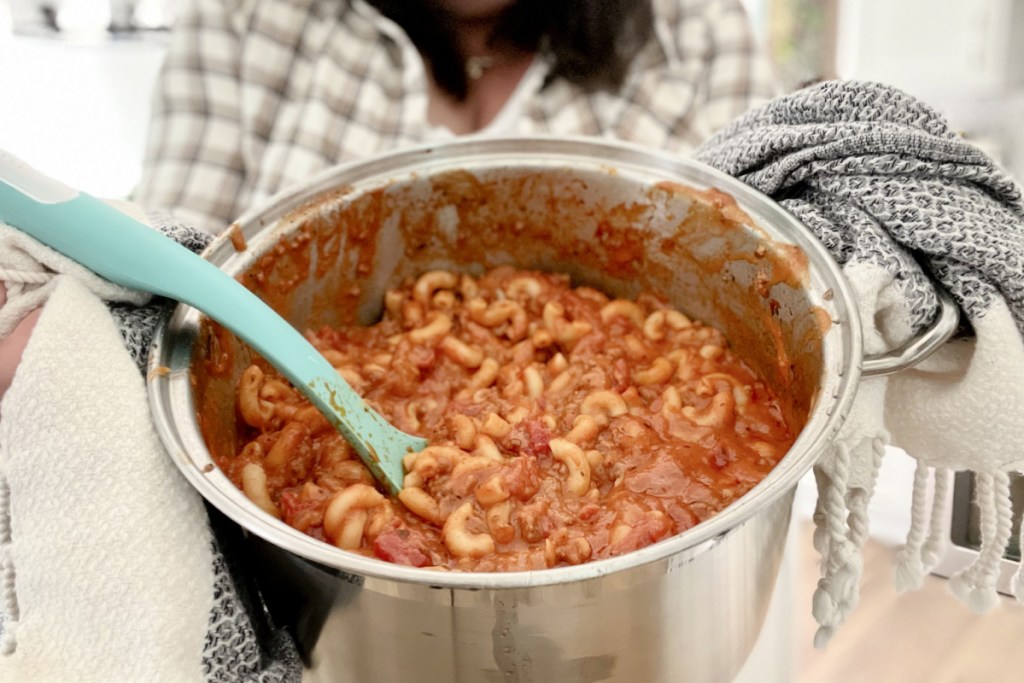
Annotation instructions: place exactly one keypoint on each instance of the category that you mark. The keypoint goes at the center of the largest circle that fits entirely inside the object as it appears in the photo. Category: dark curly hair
(590, 42)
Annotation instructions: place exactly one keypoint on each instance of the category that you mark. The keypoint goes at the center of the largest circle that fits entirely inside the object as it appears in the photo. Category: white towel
(111, 550)
(110, 569)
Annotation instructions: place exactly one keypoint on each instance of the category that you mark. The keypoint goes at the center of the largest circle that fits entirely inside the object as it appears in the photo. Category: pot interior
(619, 222)
(337, 255)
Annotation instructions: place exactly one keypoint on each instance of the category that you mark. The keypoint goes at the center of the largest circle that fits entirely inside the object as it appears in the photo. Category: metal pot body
(690, 617)
(620, 218)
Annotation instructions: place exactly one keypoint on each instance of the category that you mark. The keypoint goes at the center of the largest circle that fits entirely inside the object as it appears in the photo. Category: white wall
(927, 45)
(964, 57)
(79, 110)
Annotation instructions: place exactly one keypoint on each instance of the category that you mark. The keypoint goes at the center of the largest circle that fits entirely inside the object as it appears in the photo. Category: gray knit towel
(880, 177)
(901, 200)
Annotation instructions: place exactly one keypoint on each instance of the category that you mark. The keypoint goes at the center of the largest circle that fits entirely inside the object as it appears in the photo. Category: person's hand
(12, 346)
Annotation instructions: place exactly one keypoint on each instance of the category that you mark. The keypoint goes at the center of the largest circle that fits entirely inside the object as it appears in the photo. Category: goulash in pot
(565, 426)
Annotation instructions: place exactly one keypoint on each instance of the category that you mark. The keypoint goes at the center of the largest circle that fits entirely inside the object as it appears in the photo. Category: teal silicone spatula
(124, 251)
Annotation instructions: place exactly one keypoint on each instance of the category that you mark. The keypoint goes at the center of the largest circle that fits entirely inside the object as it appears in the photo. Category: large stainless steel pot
(685, 609)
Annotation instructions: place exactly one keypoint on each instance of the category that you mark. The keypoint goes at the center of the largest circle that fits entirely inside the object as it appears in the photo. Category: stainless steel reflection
(689, 617)
(686, 609)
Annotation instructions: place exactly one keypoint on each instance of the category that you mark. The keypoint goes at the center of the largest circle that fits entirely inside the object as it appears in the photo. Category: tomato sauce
(565, 426)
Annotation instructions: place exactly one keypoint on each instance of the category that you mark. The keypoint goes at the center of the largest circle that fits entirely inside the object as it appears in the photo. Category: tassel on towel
(900, 201)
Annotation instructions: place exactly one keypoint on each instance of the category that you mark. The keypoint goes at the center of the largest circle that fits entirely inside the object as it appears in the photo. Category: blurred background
(964, 57)
(75, 74)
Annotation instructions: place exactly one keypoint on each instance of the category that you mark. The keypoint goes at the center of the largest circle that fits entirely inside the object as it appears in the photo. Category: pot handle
(920, 347)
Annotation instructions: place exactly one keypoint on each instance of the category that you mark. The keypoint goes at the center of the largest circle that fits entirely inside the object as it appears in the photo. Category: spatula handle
(129, 253)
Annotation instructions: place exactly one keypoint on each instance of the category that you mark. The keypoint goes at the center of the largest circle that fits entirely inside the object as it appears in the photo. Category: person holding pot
(256, 97)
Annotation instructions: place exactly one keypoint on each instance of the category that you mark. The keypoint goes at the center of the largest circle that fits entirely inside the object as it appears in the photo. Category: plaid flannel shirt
(257, 95)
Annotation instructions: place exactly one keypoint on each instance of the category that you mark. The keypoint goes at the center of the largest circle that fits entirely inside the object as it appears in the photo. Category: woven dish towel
(900, 201)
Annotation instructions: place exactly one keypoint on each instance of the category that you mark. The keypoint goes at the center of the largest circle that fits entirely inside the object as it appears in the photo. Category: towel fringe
(938, 534)
(976, 585)
(13, 277)
(839, 586)
(909, 571)
(841, 529)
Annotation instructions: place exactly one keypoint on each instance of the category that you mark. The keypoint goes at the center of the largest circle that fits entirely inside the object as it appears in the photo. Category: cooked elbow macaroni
(565, 426)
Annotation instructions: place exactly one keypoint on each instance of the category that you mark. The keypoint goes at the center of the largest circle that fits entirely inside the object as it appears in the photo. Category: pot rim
(841, 349)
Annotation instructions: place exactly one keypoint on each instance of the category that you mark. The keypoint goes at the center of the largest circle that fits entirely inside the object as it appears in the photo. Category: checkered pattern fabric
(257, 95)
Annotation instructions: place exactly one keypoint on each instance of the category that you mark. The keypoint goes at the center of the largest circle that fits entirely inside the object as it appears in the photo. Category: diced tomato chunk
(400, 545)
(531, 437)
(651, 529)
(523, 478)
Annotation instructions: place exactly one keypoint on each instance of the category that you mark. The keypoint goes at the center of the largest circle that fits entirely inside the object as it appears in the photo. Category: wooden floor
(927, 636)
